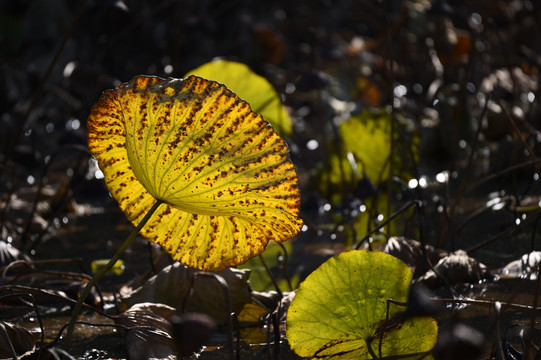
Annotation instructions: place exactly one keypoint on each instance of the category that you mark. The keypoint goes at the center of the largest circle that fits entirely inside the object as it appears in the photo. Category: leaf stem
(108, 267)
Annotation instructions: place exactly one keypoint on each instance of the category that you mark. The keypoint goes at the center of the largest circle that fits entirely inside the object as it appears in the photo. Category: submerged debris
(194, 291)
(525, 267)
(459, 341)
(9, 253)
(147, 331)
(411, 252)
(456, 268)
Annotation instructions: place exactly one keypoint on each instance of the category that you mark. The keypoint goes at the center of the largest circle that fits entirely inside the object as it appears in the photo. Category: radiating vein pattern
(224, 175)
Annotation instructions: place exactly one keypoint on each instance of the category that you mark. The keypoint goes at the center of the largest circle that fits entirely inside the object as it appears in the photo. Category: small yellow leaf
(252, 313)
(97, 265)
(224, 175)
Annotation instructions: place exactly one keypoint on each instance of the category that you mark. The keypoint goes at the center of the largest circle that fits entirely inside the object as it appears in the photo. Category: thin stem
(108, 267)
(225, 287)
(41, 183)
(415, 203)
(369, 348)
(284, 266)
(390, 58)
(269, 272)
(37, 93)
(8, 341)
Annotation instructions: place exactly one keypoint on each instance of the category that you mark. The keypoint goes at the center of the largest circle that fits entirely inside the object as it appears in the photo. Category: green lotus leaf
(224, 176)
(364, 151)
(366, 136)
(340, 306)
(255, 89)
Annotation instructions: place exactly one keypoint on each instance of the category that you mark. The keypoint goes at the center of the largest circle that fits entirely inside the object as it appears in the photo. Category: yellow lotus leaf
(224, 176)
(251, 87)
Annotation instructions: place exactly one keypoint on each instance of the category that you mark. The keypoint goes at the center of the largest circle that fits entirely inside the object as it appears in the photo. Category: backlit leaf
(252, 313)
(340, 306)
(224, 175)
(366, 136)
(97, 265)
(251, 87)
(364, 151)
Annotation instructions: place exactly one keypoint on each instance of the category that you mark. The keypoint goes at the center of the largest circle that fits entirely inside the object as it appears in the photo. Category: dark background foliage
(464, 75)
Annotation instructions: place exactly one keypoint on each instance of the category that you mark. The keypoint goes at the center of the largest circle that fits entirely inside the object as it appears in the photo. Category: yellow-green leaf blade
(343, 302)
(365, 151)
(224, 174)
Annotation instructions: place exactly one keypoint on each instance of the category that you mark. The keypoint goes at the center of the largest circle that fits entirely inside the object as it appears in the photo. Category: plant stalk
(110, 264)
